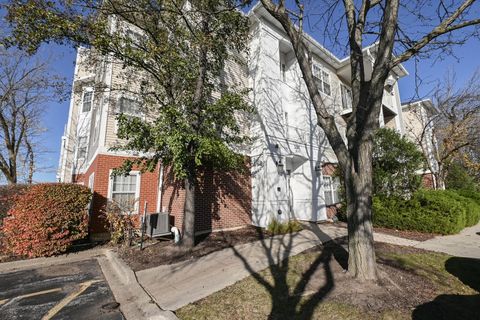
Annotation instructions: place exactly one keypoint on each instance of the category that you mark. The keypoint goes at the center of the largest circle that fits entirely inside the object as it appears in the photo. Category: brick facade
(427, 181)
(223, 199)
(101, 167)
(328, 169)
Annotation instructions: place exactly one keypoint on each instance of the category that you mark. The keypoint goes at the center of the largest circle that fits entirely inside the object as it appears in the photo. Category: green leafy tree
(176, 51)
(396, 161)
(458, 178)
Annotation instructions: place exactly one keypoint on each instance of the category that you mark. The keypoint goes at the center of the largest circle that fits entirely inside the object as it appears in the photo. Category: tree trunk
(358, 184)
(188, 228)
(31, 162)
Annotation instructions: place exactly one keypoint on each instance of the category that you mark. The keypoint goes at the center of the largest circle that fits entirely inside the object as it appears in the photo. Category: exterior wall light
(280, 166)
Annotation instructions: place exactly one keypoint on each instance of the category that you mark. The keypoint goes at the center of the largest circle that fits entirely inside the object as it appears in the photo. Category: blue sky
(464, 64)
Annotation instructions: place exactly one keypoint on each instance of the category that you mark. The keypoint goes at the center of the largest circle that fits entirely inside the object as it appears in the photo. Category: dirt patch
(166, 252)
(412, 235)
(393, 290)
(406, 234)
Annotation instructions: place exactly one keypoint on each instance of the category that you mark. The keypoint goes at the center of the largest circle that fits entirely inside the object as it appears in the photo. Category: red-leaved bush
(8, 195)
(46, 219)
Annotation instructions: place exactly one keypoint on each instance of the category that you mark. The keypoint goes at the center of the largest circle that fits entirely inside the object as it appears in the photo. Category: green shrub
(427, 211)
(470, 193)
(471, 206)
(46, 219)
(277, 227)
(458, 178)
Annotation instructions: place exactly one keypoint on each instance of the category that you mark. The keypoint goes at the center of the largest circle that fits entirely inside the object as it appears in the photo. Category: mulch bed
(412, 235)
(406, 234)
(161, 252)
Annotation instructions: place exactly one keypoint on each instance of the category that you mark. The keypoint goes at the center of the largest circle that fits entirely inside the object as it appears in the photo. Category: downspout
(160, 189)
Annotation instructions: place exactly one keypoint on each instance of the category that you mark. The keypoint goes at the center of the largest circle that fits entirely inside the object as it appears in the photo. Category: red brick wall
(427, 180)
(101, 166)
(223, 199)
(328, 169)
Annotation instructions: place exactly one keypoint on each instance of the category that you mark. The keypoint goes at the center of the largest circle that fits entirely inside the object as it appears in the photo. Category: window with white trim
(322, 78)
(82, 147)
(124, 191)
(129, 107)
(91, 181)
(87, 99)
(346, 97)
(331, 187)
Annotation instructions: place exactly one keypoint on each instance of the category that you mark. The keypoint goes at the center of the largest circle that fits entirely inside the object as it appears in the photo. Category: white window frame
(334, 185)
(80, 146)
(137, 188)
(91, 181)
(346, 94)
(117, 108)
(320, 73)
(119, 111)
(85, 91)
(97, 121)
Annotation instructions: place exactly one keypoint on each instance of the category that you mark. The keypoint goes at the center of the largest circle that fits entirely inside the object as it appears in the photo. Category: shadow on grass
(296, 301)
(455, 306)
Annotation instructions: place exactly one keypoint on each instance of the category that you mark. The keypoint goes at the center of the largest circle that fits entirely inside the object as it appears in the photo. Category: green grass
(272, 294)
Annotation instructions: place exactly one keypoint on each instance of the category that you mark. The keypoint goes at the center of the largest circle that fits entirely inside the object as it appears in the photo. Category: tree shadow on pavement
(296, 299)
(455, 306)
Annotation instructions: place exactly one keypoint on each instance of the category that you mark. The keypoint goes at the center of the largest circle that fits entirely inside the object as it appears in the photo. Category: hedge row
(435, 211)
(46, 219)
(8, 195)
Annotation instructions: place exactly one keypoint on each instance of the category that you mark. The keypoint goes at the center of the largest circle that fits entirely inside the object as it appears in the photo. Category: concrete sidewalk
(174, 286)
(465, 244)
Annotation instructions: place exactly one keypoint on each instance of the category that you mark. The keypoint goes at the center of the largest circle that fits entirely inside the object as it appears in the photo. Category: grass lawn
(415, 284)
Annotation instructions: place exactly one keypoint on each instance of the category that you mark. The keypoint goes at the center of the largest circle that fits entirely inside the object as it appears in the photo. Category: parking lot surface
(70, 291)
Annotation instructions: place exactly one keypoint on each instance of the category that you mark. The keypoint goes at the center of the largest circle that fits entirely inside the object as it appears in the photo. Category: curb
(135, 303)
(50, 261)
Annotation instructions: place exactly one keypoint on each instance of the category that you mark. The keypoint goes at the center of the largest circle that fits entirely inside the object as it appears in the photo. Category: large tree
(176, 51)
(409, 28)
(25, 88)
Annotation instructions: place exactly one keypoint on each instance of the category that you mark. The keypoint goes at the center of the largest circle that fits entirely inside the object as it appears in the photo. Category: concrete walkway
(465, 244)
(174, 286)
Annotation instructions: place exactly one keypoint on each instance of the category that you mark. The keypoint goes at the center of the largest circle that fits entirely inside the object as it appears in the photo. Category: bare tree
(25, 88)
(450, 131)
(390, 25)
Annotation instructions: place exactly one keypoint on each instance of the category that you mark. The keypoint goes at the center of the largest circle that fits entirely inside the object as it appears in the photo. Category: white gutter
(160, 189)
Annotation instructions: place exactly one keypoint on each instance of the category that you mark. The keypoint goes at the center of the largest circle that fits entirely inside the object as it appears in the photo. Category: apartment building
(419, 129)
(290, 161)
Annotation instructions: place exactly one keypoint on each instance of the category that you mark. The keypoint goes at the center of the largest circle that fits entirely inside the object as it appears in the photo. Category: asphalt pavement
(69, 291)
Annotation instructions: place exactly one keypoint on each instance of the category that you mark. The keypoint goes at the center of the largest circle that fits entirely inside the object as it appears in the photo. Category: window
(129, 107)
(124, 191)
(322, 78)
(346, 97)
(87, 100)
(330, 189)
(91, 181)
(82, 148)
(98, 112)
